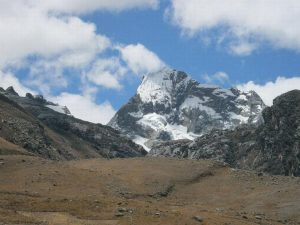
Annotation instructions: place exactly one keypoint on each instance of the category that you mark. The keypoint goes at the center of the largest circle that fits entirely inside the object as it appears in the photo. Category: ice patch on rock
(59, 109)
(141, 141)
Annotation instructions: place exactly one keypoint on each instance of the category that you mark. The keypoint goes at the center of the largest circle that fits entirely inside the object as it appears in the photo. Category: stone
(198, 218)
(122, 210)
(29, 95)
(258, 217)
(119, 214)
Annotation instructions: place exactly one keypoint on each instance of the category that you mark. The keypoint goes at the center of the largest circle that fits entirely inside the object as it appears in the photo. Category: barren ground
(141, 191)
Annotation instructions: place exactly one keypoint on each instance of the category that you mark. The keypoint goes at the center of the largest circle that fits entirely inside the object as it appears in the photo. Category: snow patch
(242, 119)
(224, 93)
(141, 141)
(242, 97)
(158, 87)
(154, 121)
(59, 109)
(138, 114)
(180, 132)
(210, 86)
(192, 102)
(196, 103)
(159, 123)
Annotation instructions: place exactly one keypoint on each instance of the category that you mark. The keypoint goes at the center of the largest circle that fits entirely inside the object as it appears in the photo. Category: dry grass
(152, 190)
(7, 148)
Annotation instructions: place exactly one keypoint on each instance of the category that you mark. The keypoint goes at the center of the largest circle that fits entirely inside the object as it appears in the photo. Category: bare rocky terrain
(59, 170)
(272, 147)
(140, 191)
(29, 123)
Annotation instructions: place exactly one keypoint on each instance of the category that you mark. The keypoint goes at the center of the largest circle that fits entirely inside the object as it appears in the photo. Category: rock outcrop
(272, 147)
(50, 131)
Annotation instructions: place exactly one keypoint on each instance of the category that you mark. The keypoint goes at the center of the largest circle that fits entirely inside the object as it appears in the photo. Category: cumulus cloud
(241, 25)
(107, 73)
(8, 79)
(219, 78)
(45, 75)
(85, 108)
(28, 31)
(134, 59)
(50, 40)
(35, 27)
(243, 48)
(140, 59)
(272, 89)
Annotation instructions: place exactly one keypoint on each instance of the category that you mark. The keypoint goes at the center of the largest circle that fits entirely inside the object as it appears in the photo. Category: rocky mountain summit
(48, 130)
(272, 147)
(169, 105)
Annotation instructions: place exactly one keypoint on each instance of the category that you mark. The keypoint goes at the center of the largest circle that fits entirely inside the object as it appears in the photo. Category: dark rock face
(31, 122)
(10, 90)
(273, 147)
(279, 138)
(169, 105)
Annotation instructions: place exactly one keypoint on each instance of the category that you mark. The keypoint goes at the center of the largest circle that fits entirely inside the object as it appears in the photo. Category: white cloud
(137, 59)
(242, 48)
(218, 77)
(34, 27)
(140, 59)
(29, 31)
(48, 38)
(244, 25)
(271, 90)
(83, 6)
(85, 108)
(8, 79)
(57, 40)
(107, 73)
(81, 106)
(106, 79)
(45, 75)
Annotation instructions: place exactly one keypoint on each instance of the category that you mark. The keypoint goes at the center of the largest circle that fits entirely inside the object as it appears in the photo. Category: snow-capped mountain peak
(158, 87)
(169, 105)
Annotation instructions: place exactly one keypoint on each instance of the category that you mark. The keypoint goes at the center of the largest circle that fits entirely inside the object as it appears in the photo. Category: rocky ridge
(48, 130)
(272, 147)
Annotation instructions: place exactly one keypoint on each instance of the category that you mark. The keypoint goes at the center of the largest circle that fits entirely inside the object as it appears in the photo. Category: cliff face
(169, 105)
(49, 130)
(279, 138)
(272, 147)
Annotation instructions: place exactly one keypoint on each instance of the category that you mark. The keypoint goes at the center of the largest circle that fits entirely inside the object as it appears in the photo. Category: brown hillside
(142, 191)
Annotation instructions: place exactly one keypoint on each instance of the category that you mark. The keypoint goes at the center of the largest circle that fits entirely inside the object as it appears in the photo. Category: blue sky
(93, 55)
(191, 54)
